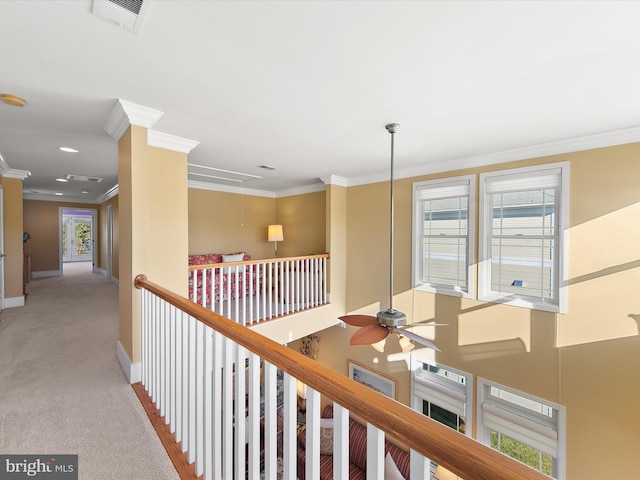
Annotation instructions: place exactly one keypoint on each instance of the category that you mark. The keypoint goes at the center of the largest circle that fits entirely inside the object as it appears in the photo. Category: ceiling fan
(375, 329)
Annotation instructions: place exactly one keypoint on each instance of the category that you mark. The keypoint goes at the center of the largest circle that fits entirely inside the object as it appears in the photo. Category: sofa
(357, 453)
(248, 278)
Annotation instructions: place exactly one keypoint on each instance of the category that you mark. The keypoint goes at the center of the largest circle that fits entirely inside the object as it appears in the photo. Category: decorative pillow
(236, 257)
(391, 471)
(326, 436)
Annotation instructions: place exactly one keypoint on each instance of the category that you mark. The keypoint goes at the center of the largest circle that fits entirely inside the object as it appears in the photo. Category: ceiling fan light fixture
(13, 100)
(405, 344)
(379, 346)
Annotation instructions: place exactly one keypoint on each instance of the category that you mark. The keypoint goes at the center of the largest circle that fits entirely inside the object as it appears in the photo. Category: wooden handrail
(460, 454)
(254, 262)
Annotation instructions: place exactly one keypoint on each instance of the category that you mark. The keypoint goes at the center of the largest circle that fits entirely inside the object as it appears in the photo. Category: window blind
(444, 397)
(520, 428)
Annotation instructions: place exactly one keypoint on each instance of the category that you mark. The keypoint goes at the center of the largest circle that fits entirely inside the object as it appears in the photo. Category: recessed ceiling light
(12, 100)
(68, 149)
(85, 191)
(61, 180)
(59, 194)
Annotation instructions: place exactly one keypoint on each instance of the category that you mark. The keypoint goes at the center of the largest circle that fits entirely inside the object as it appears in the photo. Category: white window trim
(484, 243)
(483, 435)
(458, 393)
(471, 235)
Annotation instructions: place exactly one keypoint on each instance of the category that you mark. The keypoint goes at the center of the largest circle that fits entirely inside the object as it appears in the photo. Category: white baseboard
(13, 302)
(46, 273)
(104, 273)
(133, 371)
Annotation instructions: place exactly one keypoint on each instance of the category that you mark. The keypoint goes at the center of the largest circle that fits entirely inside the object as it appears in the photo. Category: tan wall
(168, 225)
(586, 360)
(42, 221)
(303, 220)
(222, 222)
(13, 228)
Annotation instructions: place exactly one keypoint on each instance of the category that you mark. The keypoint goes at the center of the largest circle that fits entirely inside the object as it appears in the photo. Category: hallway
(62, 390)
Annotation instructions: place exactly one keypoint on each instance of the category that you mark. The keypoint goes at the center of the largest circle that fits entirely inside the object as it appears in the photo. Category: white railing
(255, 291)
(228, 394)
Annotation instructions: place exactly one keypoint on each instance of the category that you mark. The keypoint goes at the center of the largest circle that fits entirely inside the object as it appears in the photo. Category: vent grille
(83, 178)
(132, 6)
(127, 14)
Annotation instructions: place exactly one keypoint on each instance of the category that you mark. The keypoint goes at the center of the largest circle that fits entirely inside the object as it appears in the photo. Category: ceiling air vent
(128, 14)
(83, 178)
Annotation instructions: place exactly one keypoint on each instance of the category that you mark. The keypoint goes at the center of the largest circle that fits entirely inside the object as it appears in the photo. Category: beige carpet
(61, 388)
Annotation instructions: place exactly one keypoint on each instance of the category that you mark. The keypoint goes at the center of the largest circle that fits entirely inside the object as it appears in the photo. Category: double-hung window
(524, 214)
(526, 428)
(443, 212)
(445, 395)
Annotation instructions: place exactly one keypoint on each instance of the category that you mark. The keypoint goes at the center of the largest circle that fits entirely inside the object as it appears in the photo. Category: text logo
(49, 467)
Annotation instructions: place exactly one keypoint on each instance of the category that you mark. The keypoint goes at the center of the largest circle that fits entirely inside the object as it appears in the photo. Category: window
(526, 428)
(443, 235)
(443, 394)
(523, 218)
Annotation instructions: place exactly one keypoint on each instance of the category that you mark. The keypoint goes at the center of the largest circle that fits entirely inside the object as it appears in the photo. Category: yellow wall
(167, 223)
(42, 221)
(303, 220)
(13, 227)
(586, 360)
(221, 222)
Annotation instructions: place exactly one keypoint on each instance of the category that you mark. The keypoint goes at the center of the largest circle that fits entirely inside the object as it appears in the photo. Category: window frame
(446, 393)
(515, 411)
(417, 235)
(559, 268)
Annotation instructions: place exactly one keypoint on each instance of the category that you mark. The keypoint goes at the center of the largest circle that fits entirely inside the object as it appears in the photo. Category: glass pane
(523, 267)
(443, 416)
(83, 239)
(64, 239)
(444, 245)
(523, 249)
(522, 452)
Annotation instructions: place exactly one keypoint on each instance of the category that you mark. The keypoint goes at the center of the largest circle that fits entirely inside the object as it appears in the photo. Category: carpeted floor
(61, 388)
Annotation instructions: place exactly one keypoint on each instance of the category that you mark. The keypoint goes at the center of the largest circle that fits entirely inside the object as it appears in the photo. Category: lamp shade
(275, 233)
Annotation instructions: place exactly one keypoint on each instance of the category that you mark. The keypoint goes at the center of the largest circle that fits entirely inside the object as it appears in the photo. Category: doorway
(77, 236)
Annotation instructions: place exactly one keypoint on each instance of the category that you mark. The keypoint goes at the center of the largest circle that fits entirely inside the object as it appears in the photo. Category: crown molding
(17, 174)
(126, 113)
(230, 189)
(289, 192)
(109, 194)
(170, 142)
(46, 197)
(335, 180)
(578, 144)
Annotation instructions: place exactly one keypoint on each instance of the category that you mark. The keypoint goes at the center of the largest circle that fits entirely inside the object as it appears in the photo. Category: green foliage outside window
(522, 452)
(83, 238)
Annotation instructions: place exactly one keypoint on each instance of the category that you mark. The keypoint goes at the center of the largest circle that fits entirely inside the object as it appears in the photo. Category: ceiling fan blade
(418, 339)
(359, 320)
(369, 334)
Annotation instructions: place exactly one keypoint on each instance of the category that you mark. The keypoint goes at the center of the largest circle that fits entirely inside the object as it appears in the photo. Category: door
(77, 237)
(109, 241)
(2, 256)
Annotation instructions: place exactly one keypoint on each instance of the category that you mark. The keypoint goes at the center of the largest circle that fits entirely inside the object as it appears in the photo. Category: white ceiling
(307, 86)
